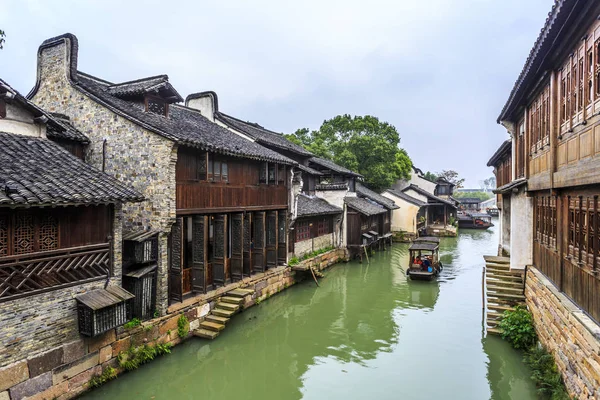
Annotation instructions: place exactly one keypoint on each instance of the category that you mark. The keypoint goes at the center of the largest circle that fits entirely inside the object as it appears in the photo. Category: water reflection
(367, 331)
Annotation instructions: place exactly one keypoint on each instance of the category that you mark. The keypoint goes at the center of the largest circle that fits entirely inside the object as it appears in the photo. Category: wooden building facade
(554, 121)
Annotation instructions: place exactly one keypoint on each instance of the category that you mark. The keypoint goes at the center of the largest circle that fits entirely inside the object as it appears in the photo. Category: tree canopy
(430, 176)
(483, 196)
(452, 176)
(360, 143)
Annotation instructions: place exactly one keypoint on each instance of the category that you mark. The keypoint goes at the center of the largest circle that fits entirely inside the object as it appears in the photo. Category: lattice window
(580, 82)
(271, 229)
(281, 175)
(236, 228)
(156, 106)
(219, 237)
(48, 239)
(272, 173)
(281, 227)
(302, 231)
(3, 235)
(263, 173)
(323, 227)
(198, 240)
(24, 234)
(247, 233)
(259, 231)
(590, 77)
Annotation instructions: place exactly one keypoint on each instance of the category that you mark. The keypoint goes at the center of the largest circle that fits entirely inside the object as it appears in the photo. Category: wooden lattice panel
(48, 239)
(3, 235)
(24, 234)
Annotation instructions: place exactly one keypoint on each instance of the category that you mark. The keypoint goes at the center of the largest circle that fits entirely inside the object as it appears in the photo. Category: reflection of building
(548, 186)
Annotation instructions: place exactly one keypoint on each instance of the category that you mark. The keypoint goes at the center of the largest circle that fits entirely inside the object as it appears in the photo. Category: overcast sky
(438, 70)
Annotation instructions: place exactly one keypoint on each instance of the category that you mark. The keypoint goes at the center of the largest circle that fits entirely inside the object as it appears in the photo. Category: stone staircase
(216, 320)
(504, 289)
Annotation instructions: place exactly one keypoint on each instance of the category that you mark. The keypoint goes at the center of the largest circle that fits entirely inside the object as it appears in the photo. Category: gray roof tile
(327, 164)
(364, 206)
(311, 206)
(364, 191)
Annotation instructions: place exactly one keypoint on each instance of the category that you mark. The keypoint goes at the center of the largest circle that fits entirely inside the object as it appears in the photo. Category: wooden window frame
(150, 97)
(214, 163)
(303, 231)
(323, 227)
(37, 216)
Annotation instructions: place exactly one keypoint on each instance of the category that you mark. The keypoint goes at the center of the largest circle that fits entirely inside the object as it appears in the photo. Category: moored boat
(475, 221)
(424, 258)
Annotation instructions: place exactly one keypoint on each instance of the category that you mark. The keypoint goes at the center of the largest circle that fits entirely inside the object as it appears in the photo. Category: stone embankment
(567, 332)
(64, 372)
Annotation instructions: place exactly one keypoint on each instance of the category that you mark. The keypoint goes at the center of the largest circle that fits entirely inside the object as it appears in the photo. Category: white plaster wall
(416, 195)
(20, 122)
(336, 198)
(205, 105)
(405, 218)
(422, 183)
(521, 230)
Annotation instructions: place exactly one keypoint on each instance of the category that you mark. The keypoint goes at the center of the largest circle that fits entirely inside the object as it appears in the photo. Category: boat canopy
(423, 246)
(428, 239)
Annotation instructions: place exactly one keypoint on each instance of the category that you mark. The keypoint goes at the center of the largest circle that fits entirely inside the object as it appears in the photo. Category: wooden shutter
(199, 236)
(281, 238)
(175, 284)
(271, 233)
(258, 249)
(247, 248)
(237, 244)
(220, 249)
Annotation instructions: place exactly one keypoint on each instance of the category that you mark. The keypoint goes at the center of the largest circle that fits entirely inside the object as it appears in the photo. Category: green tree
(361, 143)
(430, 176)
(483, 196)
(2, 36)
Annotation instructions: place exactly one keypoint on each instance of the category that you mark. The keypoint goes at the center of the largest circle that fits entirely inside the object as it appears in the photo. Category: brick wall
(314, 244)
(566, 331)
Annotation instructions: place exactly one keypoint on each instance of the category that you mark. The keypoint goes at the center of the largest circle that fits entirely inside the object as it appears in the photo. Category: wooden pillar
(445, 216)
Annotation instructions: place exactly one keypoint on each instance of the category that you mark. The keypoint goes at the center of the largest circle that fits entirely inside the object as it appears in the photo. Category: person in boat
(426, 264)
(418, 261)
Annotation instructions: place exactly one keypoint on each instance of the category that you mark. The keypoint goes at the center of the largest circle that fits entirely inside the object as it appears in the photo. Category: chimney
(205, 102)
(56, 62)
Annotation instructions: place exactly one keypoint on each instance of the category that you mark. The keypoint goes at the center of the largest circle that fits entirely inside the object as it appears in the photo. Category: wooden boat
(428, 252)
(493, 212)
(427, 239)
(475, 221)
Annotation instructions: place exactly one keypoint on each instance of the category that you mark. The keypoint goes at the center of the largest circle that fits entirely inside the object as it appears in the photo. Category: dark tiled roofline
(560, 12)
(407, 197)
(318, 206)
(292, 147)
(148, 78)
(333, 166)
(36, 172)
(428, 195)
(370, 194)
(363, 206)
(309, 170)
(59, 128)
(163, 83)
(500, 152)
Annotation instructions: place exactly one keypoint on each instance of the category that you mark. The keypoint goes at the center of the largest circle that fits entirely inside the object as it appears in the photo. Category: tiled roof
(183, 125)
(407, 198)
(323, 163)
(37, 171)
(503, 150)
(562, 11)
(309, 206)
(430, 196)
(469, 200)
(154, 84)
(364, 191)
(309, 170)
(262, 135)
(57, 126)
(332, 186)
(364, 206)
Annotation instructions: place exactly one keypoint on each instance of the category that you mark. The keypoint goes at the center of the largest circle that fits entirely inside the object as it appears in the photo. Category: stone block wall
(64, 369)
(567, 332)
(314, 244)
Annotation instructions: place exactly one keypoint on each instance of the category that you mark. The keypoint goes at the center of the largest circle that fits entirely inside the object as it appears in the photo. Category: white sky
(438, 70)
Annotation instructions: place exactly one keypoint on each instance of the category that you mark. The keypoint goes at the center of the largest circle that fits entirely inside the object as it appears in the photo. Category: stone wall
(314, 244)
(326, 260)
(136, 156)
(567, 332)
(33, 324)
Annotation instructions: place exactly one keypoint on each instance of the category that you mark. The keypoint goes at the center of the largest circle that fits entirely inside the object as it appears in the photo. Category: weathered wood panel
(211, 198)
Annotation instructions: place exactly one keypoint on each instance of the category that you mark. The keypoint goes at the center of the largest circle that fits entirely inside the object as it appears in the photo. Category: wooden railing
(28, 274)
(202, 196)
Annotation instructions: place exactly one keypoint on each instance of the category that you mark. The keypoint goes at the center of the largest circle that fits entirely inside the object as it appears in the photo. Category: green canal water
(367, 332)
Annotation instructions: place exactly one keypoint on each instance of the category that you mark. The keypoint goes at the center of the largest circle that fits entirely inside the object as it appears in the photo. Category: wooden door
(282, 236)
(237, 242)
(175, 267)
(247, 237)
(220, 249)
(258, 248)
(271, 233)
(199, 245)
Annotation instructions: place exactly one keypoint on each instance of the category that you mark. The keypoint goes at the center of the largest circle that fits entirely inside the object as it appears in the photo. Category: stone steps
(498, 266)
(205, 334)
(504, 289)
(217, 319)
(240, 292)
(212, 326)
(495, 331)
(222, 312)
(498, 307)
(228, 306)
(492, 315)
(505, 278)
(495, 271)
(504, 283)
(232, 299)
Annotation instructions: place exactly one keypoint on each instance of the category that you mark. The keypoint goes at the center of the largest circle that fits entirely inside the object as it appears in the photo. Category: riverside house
(60, 236)
(216, 202)
(549, 182)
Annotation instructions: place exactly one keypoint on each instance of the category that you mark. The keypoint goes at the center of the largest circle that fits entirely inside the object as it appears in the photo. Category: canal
(367, 332)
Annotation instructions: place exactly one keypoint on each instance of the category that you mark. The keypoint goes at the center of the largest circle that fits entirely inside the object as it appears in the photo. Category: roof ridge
(90, 76)
(253, 124)
(163, 76)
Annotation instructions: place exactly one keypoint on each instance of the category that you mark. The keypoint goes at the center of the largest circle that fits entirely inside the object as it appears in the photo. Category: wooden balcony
(219, 197)
(28, 274)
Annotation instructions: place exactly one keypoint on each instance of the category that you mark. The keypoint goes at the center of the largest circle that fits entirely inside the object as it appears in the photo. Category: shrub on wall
(517, 328)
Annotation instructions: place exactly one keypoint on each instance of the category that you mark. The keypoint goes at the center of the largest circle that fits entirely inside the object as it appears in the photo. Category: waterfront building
(60, 231)
(470, 203)
(217, 201)
(411, 215)
(548, 188)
